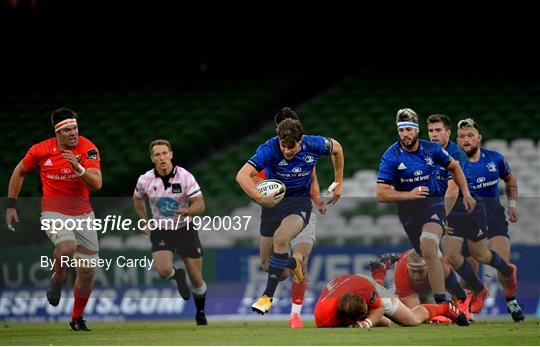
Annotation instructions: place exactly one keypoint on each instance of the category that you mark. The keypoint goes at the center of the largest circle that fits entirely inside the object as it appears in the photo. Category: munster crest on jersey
(92, 154)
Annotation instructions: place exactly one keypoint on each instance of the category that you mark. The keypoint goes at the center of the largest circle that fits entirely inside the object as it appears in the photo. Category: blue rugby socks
(278, 263)
(453, 286)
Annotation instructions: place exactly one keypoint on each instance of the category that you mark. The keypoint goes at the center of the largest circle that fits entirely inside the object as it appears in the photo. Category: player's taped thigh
(86, 260)
(427, 235)
(431, 236)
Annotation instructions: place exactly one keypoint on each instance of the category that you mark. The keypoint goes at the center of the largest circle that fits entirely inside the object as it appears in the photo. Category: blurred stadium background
(216, 109)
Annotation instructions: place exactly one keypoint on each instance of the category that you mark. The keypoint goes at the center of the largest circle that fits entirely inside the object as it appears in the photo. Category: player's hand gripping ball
(273, 189)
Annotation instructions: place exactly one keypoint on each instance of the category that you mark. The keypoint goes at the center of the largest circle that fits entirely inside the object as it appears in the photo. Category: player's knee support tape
(436, 238)
(426, 235)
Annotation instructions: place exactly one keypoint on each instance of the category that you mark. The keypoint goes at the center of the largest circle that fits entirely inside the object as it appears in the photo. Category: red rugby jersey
(404, 285)
(63, 190)
(326, 309)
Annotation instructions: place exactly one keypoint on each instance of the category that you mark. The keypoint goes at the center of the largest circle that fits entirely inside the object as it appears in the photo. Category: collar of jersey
(173, 172)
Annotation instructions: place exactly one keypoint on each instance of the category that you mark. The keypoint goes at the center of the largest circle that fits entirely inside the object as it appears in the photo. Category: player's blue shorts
(497, 225)
(471, 226)
(271, 218)
(414, 219)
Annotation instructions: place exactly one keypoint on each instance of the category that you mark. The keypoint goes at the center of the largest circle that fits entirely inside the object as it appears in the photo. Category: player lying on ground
(360, 302)
(409, 281)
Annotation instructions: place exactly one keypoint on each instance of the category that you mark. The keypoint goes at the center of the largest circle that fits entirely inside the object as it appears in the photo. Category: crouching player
(359, 302)
(410, 281)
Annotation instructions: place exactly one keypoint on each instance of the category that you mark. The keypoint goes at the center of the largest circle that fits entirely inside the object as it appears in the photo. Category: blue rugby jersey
(295, 173)
(443, 175)
(484, 176)
(408, 170)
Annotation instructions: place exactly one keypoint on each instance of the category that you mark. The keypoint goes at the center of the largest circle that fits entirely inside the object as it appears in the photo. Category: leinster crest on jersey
(429, 160)
(491, 167)
(308, 158)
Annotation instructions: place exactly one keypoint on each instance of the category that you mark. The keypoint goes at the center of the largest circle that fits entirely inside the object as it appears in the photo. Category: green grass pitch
(499, 332)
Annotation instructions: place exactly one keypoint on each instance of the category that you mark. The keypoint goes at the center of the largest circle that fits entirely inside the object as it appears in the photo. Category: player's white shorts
(388, 298)
(85, 237)
(308, 234)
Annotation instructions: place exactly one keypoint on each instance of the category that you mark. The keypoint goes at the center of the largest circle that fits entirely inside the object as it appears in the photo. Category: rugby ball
(268, 187)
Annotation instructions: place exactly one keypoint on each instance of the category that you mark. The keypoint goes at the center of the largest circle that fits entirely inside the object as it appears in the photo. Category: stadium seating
(214, 132)
(123, 121)
(360, 115)
(369, 225)
(525, 155)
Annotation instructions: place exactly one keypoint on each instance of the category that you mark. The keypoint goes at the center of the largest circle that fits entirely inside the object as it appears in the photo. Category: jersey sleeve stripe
(194, 193)
(331, 145)
(255, 165)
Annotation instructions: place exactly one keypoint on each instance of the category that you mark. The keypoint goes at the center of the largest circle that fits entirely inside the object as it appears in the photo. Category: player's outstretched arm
(511, 189)
(314, 189)
(14, 188)
(373, 318)
(386, 194)
(461, 181)
(315, 193)
(375, 315)
(338, 160)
